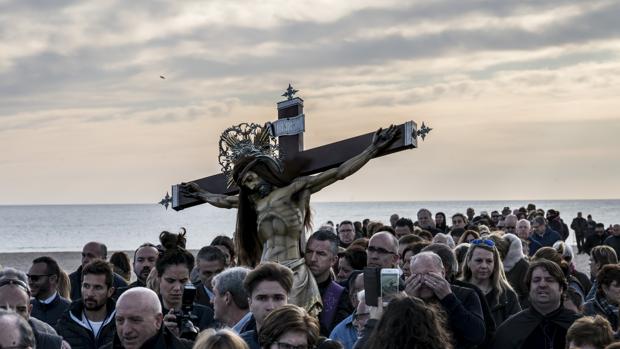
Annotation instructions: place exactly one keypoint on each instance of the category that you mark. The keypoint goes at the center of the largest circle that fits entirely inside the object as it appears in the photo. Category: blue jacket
(548, 239)
(345, 333)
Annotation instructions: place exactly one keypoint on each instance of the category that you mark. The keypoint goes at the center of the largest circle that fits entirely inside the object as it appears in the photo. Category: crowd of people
(502, 280)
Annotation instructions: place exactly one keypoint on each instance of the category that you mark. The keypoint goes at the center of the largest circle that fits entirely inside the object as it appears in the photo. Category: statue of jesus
(274, 212)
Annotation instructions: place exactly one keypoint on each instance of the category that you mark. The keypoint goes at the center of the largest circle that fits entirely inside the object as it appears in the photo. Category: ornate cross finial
(424, 131)
(290, 92)
(166, 201)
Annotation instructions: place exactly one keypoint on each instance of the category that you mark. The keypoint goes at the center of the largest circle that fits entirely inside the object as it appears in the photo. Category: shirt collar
(50, 299)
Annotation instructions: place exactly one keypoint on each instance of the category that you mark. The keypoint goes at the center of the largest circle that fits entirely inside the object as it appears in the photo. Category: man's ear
(111, 291)
(227, 298)
(159, 319)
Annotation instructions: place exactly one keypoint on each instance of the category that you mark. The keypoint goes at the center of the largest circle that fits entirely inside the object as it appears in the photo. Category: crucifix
(271, 198)
(289, 129)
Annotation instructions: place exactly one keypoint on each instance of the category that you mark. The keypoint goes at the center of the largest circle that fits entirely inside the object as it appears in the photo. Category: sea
(61, 228)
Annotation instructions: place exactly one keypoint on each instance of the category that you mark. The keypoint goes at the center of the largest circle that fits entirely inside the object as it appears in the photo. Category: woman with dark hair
(468, 236)
(607, 298)
(353, 258)
(289, 326)
(227, 246)
(409, 323)
(483, 268)
(121, 265)
(173, 268)
(440, 222)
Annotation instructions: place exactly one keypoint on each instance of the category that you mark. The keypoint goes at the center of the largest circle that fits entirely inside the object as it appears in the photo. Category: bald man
(15, 331)
(139, 322)
(382, 250)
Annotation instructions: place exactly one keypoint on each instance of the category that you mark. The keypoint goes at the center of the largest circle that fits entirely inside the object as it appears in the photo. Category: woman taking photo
(483, 268)
(173, 268)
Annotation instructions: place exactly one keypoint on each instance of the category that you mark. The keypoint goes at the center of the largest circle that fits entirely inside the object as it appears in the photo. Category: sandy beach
(70, 261)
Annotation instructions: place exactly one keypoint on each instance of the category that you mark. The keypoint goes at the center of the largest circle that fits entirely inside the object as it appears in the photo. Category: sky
(522, 96)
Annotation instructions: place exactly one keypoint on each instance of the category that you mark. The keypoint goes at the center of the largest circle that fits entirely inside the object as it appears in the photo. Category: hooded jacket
(78, 333)
(515, 268)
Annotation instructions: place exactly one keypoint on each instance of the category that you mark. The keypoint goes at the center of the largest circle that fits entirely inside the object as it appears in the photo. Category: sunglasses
(36, 278)
(478, 242)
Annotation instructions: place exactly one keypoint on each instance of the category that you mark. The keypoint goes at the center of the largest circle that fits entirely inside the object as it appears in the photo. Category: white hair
(427, 255)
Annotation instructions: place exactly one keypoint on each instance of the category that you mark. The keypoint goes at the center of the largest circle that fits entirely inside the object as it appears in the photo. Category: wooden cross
(289, 129)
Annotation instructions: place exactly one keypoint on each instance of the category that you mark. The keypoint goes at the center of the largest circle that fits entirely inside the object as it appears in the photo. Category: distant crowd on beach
(504, 279)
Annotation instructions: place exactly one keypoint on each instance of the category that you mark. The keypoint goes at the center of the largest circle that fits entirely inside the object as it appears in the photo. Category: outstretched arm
(193, 190)
(380, 141)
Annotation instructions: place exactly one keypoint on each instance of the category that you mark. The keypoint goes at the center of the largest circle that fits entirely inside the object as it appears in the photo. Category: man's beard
(262, 190)
(96, 307)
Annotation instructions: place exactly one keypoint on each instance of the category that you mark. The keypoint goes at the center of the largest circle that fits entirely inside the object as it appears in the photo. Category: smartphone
(371, 286)
(389, 284)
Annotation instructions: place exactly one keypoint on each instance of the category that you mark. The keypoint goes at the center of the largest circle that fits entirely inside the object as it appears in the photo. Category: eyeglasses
(510, 228)
(36, 278)
(282, 345)
(379, 250)
(478, 242)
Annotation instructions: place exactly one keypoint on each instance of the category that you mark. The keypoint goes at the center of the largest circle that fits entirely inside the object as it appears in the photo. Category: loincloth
(305, 291)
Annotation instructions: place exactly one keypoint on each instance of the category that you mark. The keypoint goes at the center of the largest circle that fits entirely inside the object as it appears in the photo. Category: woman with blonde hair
(221, 339)
(483, 268)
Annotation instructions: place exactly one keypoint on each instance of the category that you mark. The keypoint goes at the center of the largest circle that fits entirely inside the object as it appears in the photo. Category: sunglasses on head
(478, 242)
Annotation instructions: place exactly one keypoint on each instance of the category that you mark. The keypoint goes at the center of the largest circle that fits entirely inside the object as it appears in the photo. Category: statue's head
(258, 174)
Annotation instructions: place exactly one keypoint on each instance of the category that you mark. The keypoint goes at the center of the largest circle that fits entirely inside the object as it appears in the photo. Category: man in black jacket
(144, 259)
(139, 323)
(321, 254)
(613, 240)
(580, 226)
(461, 305)
(43, 279)
(90, 252)
(544, 324)
(89, 322)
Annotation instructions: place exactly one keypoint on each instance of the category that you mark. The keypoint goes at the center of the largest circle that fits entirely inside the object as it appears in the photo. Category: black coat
(613, 242)
(504, 306)
(516, 279)
(514, 332)
(49, 313)
(592, 241)
(79, 336)
(163, 340)
(45, 340)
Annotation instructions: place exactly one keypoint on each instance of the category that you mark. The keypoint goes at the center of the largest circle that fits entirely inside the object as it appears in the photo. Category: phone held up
(382, 283)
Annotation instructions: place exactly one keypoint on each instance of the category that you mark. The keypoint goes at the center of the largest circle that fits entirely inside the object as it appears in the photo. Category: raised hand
(438, 284)
(383, 138)
(413, 284)
(192, 190)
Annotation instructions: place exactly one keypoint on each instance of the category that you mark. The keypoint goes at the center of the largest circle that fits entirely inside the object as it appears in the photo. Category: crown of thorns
(243, 141)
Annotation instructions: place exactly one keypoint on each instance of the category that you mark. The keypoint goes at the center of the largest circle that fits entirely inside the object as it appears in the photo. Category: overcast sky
(522, 95)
